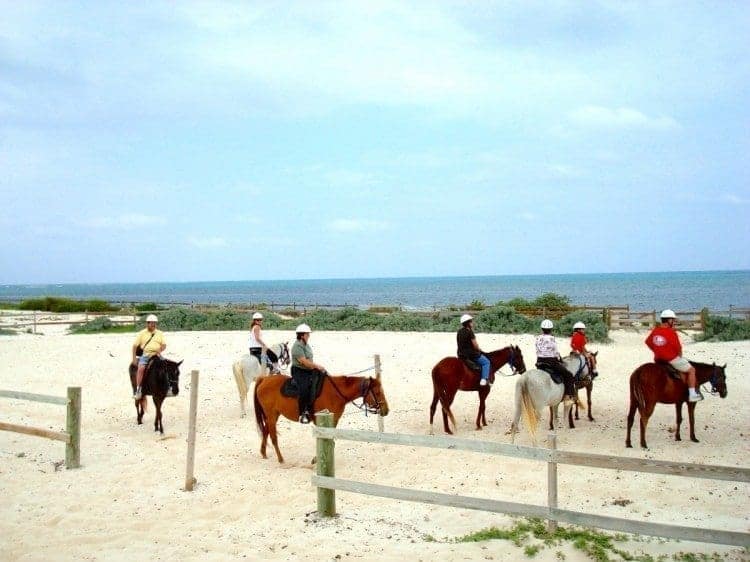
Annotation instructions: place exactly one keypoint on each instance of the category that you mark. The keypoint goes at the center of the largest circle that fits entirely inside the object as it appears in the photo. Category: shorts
(143, 359)
(681, 364)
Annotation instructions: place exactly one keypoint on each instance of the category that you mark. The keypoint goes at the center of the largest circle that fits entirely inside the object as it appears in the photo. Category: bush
(147, 307)
(503, 320)
(98, 325)
(596, 328)
(720, 328)
(57, 304)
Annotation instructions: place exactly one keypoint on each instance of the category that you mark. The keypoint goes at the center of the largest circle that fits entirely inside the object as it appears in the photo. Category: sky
(208, 141)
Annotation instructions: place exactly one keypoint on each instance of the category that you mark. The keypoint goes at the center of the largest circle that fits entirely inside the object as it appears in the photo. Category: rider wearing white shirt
(547, 354)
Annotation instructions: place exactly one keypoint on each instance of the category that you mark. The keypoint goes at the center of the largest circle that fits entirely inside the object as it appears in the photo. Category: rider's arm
(307, 364)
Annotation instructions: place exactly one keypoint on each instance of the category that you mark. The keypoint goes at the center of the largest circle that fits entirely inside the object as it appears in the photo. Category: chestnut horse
(335, 394)
(161, 379)
(451, 375)
(650, 383)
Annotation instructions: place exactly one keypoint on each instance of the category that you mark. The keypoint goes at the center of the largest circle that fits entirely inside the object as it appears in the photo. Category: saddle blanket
(290, 389)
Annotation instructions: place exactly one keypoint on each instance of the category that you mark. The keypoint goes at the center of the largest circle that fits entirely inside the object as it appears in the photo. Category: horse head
(284, 357)
(374, 397)
(718, 380)
(172, 371)
(516, 360)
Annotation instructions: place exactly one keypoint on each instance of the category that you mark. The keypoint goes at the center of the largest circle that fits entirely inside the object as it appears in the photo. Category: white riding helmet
(578, 325)
(547, 324)
(257, 316)
(152, 318)
(668, 314)
(466, 317)
(303, 329)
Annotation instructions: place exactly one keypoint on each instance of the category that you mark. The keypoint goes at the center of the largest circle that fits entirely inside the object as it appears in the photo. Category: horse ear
(180, 363)
(595, 353)
(724, 366)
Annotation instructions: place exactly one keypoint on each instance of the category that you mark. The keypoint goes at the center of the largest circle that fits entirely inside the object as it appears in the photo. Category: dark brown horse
(161, 379)
(650, 383)
(335, 394)
(451, 375)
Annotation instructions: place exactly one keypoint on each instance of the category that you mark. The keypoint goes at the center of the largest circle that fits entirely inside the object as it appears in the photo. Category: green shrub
(720, 328)
(147, 307)
(596, 328)
(476, 304)
(57, 304)
(503, 320)
(101, 324)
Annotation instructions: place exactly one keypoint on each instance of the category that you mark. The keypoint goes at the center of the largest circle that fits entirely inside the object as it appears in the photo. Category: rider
(304, 370)
(547, 354)
(578, 345)
(665, 343)
(255, 342)
(468, 348)
(151, 341)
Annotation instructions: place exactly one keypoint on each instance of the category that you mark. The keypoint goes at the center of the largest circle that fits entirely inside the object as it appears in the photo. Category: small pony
(161, 379)
(247, 369)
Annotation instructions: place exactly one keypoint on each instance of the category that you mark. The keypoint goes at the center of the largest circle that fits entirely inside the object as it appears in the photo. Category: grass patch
(721, 328)
(532, 535)
(57, 304)
(102, 325)
(6, 332)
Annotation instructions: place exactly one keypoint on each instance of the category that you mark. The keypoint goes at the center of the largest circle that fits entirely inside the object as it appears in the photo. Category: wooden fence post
(381, 427)
(35, 321)
(552, 483)
(189, 478)
(326, 465)
(73, 428)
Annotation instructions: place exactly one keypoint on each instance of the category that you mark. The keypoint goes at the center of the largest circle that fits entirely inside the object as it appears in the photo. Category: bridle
(365, 389)
(512, 361)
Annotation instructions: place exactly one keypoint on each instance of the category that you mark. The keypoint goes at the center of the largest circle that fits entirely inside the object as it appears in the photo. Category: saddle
(671, 371)
(290, 390)
(547, 368)
(473, 366)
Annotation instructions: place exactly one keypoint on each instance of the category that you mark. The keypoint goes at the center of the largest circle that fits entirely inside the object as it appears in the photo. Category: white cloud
(735, 199)
(356, 225)
(207, 242)
(620, 118)
(125, 221)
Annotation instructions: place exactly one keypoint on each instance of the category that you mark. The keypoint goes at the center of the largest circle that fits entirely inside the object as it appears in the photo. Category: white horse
(535, 389)
(247, 369)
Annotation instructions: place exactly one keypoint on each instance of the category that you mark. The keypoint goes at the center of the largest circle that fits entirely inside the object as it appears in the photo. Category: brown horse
(451, 375)
(335, 394)
(650, 383)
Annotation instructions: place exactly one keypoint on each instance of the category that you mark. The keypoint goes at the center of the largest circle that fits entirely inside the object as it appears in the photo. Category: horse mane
(700, 364)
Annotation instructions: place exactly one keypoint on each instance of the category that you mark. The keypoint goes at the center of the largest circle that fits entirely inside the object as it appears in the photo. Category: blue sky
(186, 141)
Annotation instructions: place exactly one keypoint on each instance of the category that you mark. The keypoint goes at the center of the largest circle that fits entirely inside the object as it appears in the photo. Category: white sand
(127, 502)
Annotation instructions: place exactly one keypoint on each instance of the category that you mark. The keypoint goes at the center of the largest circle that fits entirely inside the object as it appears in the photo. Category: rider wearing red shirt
(578, 343)
(665, 343)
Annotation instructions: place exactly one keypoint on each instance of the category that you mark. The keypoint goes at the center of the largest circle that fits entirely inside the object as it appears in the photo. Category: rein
(363, 392)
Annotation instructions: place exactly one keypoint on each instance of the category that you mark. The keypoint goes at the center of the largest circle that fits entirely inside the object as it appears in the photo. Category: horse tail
(636, 389)
(240, 379)
(529, 410)
(260, 415)
(439, 390)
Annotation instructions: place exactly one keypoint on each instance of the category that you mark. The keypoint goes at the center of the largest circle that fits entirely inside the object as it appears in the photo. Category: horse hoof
(694, 440)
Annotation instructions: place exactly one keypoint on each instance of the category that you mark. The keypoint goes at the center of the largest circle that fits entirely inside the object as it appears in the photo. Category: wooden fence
(326, 482)
(72, 434)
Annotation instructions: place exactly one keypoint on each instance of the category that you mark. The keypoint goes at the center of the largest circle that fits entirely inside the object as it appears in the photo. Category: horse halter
(714, 380)
(512, 361)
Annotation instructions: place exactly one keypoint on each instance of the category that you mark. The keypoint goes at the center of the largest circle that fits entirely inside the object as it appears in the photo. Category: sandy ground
(127, 502)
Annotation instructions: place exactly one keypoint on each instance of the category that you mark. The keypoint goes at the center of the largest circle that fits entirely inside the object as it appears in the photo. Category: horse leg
(480, 412)
(552, 416)
(645, 416)
(631, 417)
(691, 419)
(271, 421)
(445, 404)
(678, 411)
(157, 418)
(571, 425)
(589, 388)
(139, 412)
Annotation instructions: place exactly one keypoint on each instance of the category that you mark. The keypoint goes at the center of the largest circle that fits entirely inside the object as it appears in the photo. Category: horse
(650, 383)
(583, 379)
(535, 390)
(247, 368)
(335, 393)
(161, 379)
(451, 375)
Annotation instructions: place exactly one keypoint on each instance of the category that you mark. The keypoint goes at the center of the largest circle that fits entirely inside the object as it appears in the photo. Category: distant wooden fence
(72, 434)
(326, 482)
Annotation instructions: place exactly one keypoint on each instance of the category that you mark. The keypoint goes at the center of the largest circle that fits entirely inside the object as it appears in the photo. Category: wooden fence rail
(72, 434)
(327, 483)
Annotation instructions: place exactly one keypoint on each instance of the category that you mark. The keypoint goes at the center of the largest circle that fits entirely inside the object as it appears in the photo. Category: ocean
(681, 291)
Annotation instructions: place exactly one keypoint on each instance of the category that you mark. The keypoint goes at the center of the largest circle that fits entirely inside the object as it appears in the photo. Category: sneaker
(482, 382)
(695, 396)
(138, 394)
(304, 418)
